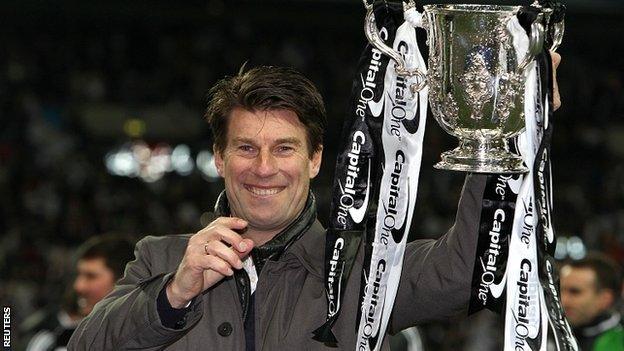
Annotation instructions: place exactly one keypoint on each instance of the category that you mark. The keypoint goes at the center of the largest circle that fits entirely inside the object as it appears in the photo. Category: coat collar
(600, 324)
(310, 250)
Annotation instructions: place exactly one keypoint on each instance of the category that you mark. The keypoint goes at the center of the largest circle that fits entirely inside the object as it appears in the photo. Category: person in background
(590, 292)
(100, 263)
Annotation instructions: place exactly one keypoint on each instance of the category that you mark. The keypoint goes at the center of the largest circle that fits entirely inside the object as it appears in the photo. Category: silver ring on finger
(206, 249)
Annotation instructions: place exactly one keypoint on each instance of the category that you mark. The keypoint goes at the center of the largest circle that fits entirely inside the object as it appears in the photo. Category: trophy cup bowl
(476, 77)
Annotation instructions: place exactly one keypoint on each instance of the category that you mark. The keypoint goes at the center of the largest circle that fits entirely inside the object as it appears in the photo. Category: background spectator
(100, 263)
(590, 290)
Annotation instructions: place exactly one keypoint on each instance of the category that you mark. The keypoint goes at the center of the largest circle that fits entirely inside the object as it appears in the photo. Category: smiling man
(253, 279)
(267, 166)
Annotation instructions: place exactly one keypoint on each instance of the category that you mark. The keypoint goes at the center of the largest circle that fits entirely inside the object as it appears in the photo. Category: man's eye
(245, 148)
(285, 148)
(574, 291)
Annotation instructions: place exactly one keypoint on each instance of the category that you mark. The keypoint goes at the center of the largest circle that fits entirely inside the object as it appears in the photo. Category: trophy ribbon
(376, 179)
(404, 117)
(533, 307)
(354, 184)
(546, 239)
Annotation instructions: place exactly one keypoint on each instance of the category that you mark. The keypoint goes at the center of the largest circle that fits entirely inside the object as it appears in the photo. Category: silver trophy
(476, 77)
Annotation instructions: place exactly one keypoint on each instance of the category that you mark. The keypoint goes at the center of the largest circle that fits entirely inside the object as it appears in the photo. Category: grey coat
(290, 295)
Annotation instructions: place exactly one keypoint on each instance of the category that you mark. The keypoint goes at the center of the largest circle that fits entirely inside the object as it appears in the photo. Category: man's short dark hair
(608, 272)
(116, 252)
(267, 88)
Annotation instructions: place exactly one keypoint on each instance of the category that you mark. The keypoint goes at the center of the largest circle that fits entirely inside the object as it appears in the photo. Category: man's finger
(248, 244)
(222, 229)
(217, 264)
(232, 222)
(556, 98)
(233, 239)
(556, 60)
(217, 248)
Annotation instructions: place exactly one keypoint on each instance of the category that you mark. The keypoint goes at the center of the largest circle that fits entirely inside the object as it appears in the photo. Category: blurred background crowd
(101, 128)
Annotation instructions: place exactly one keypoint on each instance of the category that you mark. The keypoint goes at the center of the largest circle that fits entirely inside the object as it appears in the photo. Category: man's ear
(315, 162)
(218, 158)
(606, 299)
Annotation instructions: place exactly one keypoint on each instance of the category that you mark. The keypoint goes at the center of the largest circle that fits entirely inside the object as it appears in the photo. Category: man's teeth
(264, 192)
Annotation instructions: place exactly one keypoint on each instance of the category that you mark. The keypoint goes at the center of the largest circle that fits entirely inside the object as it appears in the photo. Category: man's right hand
(211, 254)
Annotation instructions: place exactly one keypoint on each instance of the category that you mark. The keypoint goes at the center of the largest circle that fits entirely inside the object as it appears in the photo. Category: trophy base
(482, 156)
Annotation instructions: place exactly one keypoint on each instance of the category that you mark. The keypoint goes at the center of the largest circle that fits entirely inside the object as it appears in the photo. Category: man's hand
(210, 255)
(556, 60)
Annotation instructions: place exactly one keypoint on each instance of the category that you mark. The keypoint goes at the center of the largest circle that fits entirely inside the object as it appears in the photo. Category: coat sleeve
(128, 318)
(436, 277)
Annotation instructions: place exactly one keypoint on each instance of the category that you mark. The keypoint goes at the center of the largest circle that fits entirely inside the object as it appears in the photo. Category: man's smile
(263, 191)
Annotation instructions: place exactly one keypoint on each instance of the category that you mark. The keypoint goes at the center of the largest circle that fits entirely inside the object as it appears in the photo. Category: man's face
(93, 282)
(267, 167)
(581, 300)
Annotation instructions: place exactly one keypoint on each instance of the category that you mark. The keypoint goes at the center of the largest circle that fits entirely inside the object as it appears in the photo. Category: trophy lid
(478, 8)
(471, 8)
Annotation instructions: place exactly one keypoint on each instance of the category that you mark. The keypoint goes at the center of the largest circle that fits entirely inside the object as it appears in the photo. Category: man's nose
(79, 285)
(266, 164)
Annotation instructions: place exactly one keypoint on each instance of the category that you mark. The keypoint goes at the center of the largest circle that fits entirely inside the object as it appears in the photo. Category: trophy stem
(482, 156)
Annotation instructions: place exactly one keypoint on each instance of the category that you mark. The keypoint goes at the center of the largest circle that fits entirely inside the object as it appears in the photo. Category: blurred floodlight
(122, 163)
(561, 250)
(134, 127)
(572, 247)
(181, 160)
(138, 159)
(141, 152)
(154, 163)
(206, 164)
(161, 158)
(576, 248)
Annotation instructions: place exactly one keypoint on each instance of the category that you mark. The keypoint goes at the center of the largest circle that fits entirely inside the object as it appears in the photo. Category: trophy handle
(536, 43)
(557, 34)
(372, 34)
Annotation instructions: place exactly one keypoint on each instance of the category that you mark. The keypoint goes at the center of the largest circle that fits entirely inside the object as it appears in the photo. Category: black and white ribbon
(376, 181)
(357, 173)
(497, 213)
(546, 240)
(515, 268)
(404, 115)
(533, 308)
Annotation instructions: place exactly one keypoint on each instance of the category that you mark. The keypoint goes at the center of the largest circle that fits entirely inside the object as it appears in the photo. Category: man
(253, 278)
(100, 263)
(590, 289)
